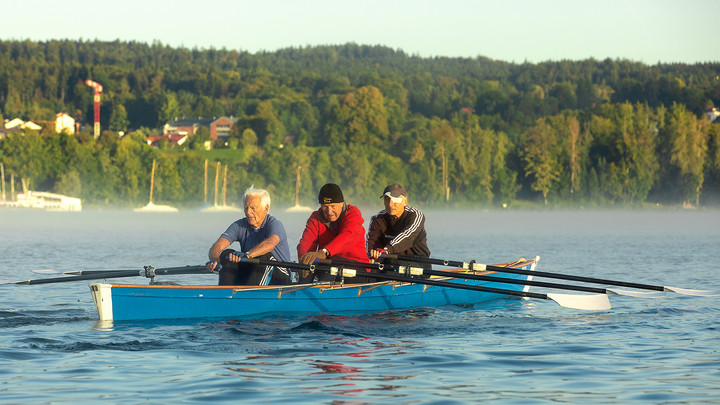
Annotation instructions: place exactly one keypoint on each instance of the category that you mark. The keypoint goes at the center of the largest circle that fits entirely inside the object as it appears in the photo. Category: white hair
(258, 192)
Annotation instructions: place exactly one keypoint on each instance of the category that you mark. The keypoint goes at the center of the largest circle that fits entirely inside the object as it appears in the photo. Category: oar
(501, 280)
(75, 272)
(587, 302)
(148, 271)
(483, 267)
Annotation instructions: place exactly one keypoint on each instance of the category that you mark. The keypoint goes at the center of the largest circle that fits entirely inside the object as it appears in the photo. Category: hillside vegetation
(455, 131)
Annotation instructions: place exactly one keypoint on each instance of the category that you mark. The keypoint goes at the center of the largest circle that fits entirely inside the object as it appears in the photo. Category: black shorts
(233, 273)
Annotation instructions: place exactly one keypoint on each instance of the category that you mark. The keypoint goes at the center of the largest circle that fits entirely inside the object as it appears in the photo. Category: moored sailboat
(297, 207)
(151, 207)
(215, 207)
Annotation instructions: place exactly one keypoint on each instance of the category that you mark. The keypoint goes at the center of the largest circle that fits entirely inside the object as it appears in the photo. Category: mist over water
(54, 350)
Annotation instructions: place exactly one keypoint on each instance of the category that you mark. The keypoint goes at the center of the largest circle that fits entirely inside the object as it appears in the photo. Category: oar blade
(594, 302)
(637, 294)
(697, 293)
(45, 271)
(15, 282)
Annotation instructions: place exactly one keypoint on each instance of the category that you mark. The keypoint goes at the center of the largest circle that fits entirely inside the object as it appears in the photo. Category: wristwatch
(327, 254)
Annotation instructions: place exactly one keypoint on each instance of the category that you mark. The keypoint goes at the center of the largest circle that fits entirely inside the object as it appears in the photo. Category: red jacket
(348, 243)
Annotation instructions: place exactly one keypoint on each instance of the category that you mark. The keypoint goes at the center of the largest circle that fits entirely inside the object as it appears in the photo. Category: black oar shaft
(393, 277)
(481, 277)
(288, 265)
(582, 279)
(400, 278)
(577, 278)
(520, 282)
(94, 275)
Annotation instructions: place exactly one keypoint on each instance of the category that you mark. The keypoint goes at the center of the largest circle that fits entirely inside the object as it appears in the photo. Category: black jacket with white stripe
(403, 236)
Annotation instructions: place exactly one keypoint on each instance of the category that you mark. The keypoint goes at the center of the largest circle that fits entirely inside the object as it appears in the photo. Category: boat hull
(136, 302)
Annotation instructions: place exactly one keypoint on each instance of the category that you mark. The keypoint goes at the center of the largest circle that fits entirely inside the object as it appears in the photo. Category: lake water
(53, 349)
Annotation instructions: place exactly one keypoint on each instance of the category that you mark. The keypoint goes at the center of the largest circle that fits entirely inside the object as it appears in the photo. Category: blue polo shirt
(248, 236)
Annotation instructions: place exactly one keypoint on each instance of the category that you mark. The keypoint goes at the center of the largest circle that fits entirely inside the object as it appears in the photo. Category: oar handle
(151, 272)
(407, 270)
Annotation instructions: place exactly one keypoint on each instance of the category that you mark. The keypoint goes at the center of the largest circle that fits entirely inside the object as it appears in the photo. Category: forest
(456, 132)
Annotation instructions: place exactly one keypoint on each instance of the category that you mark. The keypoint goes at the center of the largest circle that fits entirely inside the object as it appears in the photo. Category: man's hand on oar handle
(310, 257)
(213, 265)
(236, 257)
(377, 254)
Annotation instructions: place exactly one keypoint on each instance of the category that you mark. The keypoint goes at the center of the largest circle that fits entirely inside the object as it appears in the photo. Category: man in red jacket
(335, 230)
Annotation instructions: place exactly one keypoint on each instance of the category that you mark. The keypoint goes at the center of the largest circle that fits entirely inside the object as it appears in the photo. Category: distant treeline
(455, 131)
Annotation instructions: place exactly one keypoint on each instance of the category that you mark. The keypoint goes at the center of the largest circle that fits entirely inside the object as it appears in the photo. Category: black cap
(394, 191)
(330, 194)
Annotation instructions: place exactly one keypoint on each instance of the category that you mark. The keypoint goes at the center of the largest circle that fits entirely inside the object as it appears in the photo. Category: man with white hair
(260, 235)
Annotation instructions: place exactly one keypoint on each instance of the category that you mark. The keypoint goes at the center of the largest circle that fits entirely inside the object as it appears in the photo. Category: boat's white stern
(527, 287)
(102, 295)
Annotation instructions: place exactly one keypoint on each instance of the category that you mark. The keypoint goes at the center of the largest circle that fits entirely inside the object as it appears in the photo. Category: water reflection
(328, 367)
(104, 326)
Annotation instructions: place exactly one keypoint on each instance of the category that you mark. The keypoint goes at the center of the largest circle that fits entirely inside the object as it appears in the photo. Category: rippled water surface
(54, 350)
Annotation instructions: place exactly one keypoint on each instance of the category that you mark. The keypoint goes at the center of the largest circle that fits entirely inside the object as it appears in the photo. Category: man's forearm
(264, 247)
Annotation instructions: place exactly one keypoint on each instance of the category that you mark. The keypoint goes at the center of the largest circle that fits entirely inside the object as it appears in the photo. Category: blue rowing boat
(136, 302)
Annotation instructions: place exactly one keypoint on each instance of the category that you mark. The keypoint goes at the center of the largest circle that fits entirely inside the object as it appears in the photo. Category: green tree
(248, 145)
(576, 149)
(505, 179)
(199, 138)
(355, 169)
(475, 156)
(133, 160)
(168, 186)
(169, 108)
(118, 119)
(541, 158)
(444, 139)
(689, 139)
(638, 133)
(600, 129)
(24, 155)
(358, 117)
(714, 135)
(574, 144)
(69, 184)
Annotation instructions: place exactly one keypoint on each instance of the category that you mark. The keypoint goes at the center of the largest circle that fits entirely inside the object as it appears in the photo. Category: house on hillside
(218, 127)
(15, 125)
(64, 123)
(714, 115)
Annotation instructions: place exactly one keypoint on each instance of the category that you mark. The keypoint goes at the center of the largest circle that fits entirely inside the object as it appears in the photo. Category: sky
(648, 31)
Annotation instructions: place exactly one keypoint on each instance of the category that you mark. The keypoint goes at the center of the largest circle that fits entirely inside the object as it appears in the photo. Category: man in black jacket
(398, 229)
